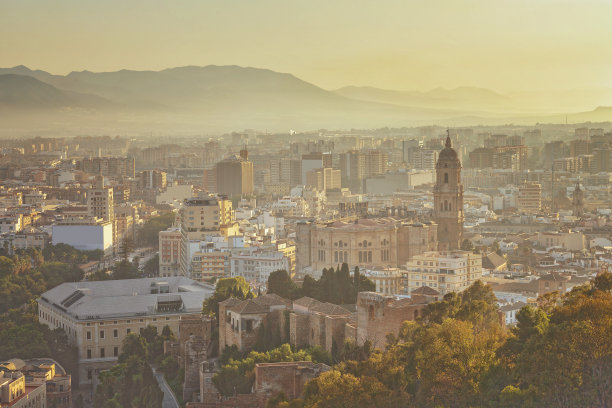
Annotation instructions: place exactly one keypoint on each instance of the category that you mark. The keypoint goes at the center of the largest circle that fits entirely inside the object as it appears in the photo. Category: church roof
(448, 153)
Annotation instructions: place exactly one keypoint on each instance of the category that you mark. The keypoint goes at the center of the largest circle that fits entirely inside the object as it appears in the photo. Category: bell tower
(448, 198)
(578, 200)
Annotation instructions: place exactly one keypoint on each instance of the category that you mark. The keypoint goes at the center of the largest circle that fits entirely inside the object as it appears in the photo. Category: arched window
(450, 206)
(445, 205)
(446, 177)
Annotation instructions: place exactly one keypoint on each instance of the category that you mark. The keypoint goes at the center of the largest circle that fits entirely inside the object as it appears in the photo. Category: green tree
(467, 245)
(151, 267)
(603, 282)
(148, 235)
(225, 288)
(280, 283)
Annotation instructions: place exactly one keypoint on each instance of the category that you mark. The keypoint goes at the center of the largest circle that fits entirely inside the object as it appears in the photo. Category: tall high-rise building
(529, 197)
(324, 179)
(153, 179)
(235, 175)
(448, 199)
(100, 201)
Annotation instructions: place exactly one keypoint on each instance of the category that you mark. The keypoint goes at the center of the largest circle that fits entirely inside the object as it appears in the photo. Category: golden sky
(505, 45)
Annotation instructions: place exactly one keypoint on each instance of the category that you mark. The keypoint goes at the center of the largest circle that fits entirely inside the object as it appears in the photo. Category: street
(169, 398)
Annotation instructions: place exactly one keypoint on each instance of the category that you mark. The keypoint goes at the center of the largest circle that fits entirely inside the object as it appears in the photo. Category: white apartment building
(388, 281)
(444, 271)
(209, 258)
(86, 235)
(97, 316)
(256, 265)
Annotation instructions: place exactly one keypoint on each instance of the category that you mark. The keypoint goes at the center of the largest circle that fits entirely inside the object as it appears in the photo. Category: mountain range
(225, 98)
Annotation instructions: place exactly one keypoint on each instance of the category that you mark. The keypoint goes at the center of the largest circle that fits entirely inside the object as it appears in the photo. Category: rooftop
(261, 304)
(129, 297)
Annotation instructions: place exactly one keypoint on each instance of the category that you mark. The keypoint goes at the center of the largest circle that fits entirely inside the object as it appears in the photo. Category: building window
(115, 333)
(89, 374)
(88, 353)
(101, 334)
(102, 353)
(446, 177)
(128, 331)
(88, 335)
(116, 351)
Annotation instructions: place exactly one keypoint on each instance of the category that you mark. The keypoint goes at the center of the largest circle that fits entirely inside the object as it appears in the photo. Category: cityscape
(229, 236)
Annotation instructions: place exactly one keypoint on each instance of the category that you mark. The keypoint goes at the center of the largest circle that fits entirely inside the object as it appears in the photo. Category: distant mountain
(439, 98)
(224, 98)
(20, 92)
(600, 114)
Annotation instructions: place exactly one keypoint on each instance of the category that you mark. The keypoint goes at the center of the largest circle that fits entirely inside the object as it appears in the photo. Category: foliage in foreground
(458, 356)
(131, 383)
(238, 376)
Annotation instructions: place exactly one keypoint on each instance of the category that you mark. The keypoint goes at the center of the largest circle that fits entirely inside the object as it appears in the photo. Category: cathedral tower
(448, 199)
(578, 201)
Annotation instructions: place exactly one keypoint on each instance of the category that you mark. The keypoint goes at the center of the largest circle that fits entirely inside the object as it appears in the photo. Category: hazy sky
(506, 45)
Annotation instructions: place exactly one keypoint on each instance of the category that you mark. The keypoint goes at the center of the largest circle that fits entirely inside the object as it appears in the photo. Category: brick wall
(377, 316)
(288, 377)
(298, 329)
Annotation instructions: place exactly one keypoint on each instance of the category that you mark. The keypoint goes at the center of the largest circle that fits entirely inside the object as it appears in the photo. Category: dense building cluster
(420, 213)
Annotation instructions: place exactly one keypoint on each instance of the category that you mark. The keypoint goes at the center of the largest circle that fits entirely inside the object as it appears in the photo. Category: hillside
(225, 98)
(19, 92)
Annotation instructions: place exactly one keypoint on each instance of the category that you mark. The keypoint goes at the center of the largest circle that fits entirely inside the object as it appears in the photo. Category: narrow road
(169, 398)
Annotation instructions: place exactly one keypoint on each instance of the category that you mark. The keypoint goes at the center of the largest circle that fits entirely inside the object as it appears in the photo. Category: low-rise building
(569, 240)
(388, 281)
(84, 234)
(240, 320)
(256, 266)
(97, 316)
(553, 282)
(314, 323)
(16, 392)
(444, 271)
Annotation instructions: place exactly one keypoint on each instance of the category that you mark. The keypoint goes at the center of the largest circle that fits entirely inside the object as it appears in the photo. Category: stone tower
(578, 201)
(448, 199)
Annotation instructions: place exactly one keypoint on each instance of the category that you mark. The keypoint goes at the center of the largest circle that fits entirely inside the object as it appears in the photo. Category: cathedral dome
(448, 153)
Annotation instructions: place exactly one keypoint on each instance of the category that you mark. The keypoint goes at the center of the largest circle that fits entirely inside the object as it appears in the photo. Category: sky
(505, 45)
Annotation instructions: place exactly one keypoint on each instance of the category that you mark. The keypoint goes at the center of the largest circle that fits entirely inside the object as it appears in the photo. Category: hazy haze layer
(504, 45)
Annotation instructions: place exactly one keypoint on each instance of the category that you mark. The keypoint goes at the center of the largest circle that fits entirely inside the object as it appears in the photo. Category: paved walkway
(169, 398)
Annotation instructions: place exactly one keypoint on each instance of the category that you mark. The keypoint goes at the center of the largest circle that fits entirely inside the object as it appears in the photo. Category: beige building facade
(368, 243)
(529, 199)
(97, 316)
(444, 271)
(170, 248)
